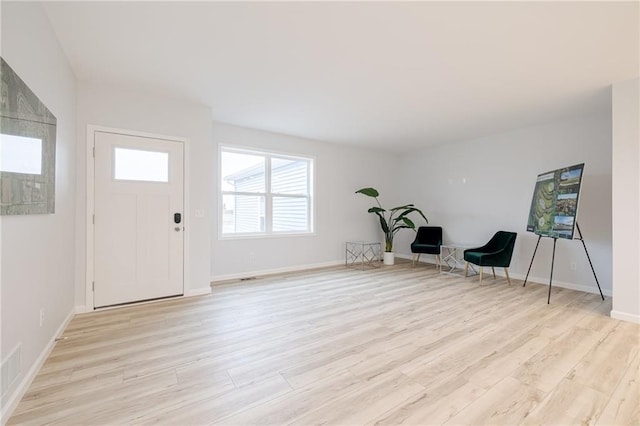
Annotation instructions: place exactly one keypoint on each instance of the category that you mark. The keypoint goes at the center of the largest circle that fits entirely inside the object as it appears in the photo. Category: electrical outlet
(572, 265)
(41, 317)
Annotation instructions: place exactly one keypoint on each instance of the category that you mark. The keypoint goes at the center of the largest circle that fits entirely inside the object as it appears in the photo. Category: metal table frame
(362, 253)
(451, 257)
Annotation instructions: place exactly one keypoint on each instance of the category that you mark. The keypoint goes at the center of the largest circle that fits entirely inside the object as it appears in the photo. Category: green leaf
(376, 210)
(409, 223)
(423, 216)
(410, 210)
(370, 192)
(406, 212)
(383, 224)
(401, 207)
(399, 227)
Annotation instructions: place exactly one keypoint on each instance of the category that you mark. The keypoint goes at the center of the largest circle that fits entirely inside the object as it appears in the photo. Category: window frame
(268, 232)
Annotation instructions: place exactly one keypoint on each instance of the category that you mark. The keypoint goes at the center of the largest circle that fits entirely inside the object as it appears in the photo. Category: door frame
(90, 207)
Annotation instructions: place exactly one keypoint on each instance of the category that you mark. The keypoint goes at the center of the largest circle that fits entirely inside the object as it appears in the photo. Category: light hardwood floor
(344, 346)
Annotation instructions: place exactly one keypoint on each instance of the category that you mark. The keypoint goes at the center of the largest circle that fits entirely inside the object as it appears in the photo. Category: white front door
(139, 220)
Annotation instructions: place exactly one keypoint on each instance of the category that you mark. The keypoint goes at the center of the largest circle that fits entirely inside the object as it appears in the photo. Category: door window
(136, 164)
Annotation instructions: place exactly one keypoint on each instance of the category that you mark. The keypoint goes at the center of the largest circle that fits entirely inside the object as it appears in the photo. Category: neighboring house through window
(265, 193)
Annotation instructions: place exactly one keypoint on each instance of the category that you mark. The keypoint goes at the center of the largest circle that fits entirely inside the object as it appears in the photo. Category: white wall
(477, 187)
(129, 110)
(626, 198)
(38, 250)
(341, 215)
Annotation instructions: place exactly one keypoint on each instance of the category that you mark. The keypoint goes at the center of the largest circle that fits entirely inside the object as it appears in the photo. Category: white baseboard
(424, 259)
(538, 280)
(623, 316)
(571, 286)
(14, 400)
(556, 283)
(250, 274)
(198, 291)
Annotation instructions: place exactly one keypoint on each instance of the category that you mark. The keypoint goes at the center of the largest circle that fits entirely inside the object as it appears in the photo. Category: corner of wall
(626, 200)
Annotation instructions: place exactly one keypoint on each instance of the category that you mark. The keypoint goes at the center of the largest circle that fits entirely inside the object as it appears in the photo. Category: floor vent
(11, 369)
(248, 279)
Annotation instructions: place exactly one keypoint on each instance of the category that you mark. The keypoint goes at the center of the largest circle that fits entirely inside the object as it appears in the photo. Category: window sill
(264, 236)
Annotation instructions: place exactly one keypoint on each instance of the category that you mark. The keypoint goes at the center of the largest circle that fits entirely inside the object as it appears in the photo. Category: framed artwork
(27, 149)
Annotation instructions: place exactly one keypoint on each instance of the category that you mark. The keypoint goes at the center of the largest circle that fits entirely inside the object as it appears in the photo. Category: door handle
(177, 217)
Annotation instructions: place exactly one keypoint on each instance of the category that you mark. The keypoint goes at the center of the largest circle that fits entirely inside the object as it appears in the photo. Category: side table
(452, 257)
(361, 253)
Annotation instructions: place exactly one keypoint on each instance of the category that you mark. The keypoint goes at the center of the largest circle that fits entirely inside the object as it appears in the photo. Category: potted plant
(391, 221)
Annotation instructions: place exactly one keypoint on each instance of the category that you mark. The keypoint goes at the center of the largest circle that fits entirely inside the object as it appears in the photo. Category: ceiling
(394, 76)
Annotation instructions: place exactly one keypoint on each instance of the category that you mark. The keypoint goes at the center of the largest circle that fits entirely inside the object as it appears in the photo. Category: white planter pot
(388, 258)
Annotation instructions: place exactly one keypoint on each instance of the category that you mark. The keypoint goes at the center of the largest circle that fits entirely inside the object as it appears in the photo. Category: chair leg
(438, 262)
(466, 270)
(480, 274)
(494, 272)
(413, 260)
(506, 271)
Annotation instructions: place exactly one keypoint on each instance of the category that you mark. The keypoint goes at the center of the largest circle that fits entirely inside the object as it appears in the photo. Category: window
(136, 164)
(265, 193)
